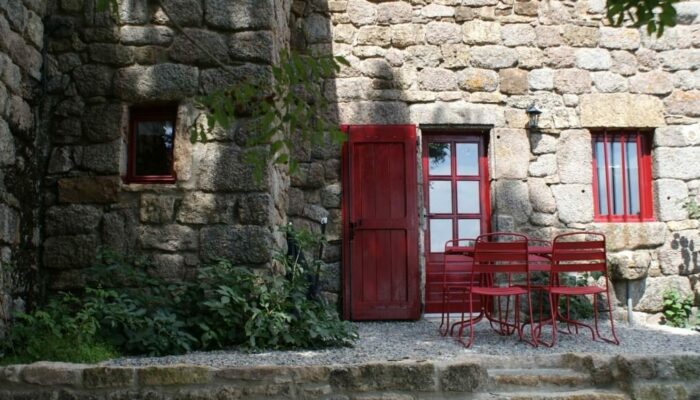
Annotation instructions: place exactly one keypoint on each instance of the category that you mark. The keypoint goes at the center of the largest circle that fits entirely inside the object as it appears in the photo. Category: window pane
(469, 228)
(600, 171)
(616, 188)
(440, 232)
(439, 162)
(440, 197)
(632, 165)
(467, 159)
(468, 197)
(154, 148)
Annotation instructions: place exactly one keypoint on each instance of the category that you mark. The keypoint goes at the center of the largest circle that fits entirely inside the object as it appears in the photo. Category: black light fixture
(533, 113)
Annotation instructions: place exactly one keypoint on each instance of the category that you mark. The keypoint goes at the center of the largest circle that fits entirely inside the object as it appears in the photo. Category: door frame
(452, 133)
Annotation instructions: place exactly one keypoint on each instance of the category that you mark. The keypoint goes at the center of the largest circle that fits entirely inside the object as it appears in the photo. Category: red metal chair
(498, 257)
(578, 252)
(456, 273)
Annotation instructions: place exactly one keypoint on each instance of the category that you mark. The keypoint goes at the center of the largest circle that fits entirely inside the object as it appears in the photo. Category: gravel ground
(393, 341)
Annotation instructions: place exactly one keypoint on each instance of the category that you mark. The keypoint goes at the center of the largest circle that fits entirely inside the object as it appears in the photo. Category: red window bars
(151, 143)
(622, 176)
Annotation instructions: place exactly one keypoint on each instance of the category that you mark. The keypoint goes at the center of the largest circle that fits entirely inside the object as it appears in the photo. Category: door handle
(354, 225)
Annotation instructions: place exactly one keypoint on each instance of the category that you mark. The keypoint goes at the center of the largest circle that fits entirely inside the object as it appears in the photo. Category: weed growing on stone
(677, 310)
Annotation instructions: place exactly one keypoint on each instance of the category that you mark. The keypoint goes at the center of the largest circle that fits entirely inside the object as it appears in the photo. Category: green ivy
(677, 310)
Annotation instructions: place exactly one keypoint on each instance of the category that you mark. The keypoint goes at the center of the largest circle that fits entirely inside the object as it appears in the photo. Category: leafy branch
(656, 15)
(287, 112)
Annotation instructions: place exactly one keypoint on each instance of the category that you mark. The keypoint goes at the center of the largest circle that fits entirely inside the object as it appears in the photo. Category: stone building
(95, 150)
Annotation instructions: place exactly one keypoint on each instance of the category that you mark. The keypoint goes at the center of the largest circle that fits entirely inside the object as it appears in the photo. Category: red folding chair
(456, 273)
(498, 258)
(578, 252)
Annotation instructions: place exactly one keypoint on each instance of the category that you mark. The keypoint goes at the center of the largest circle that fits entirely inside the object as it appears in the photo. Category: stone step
(538, 377)
(587, 394)
(531, 361)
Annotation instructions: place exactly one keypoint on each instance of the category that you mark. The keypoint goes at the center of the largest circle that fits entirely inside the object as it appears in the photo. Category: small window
(622, 176)
(151, 142)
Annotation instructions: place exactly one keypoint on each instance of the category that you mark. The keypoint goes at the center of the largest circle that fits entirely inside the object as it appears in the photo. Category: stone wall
(552, 377)
(21, 152)
(315, 191)
(97, 68)
(482, 62)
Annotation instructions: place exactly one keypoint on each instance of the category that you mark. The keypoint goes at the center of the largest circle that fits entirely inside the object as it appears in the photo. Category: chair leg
(553, 314)
(516, 316)
(614, 339)
(445, 317)
(532, 321)
(460, 338)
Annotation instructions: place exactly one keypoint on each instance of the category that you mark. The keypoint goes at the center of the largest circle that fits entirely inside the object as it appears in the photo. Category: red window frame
(643, 140)
(145, 114)
(469, 136)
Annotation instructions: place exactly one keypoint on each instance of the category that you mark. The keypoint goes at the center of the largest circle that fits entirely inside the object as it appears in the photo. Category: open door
(380, 231)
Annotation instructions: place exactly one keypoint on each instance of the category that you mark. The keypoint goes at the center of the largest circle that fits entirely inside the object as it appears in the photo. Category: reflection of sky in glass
(619, 191)
(467, 159)
(440, 232)
(615, 155)
(154, 148)
(602, 187)
(168, 135)
(469, 228)
(467, 197)
(440, 197)
(632, 178)
(439, 154)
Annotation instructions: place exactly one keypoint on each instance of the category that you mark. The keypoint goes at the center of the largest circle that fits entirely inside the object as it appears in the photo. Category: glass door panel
(440, 232)
(468, 197)
(467, 159)
(439, 162)
(469, 228)
(440, 197)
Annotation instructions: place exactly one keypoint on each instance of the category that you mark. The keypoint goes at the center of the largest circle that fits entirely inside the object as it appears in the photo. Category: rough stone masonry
(70, 74)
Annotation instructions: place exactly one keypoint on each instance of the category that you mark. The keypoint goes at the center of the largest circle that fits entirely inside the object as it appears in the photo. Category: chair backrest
(457, 264)
(579, 252)
(501, 252)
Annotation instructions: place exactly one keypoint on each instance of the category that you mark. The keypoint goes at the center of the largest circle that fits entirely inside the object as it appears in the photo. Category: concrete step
(587, 394)
(538, 377)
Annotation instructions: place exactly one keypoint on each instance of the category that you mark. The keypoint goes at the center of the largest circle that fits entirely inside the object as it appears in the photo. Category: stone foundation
(480, 377)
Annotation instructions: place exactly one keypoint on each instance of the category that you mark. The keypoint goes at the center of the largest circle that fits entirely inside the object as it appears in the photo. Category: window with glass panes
(151, 145)
(622, 175)
(456, 189)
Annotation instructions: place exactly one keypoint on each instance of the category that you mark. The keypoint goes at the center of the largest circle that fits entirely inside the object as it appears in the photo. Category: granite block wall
(21, 149)
(98, 67)
(482, 62)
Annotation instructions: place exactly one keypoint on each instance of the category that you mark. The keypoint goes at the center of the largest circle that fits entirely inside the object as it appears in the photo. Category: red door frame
(470, 136)
(412, 248)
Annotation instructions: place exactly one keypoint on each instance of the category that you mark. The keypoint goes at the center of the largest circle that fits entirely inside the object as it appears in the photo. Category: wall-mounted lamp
(533, 113)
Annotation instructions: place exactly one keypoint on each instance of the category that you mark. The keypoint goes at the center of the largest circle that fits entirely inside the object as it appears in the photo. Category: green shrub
(580, 307)
(136, 313)
(61, 331)
(676, 309)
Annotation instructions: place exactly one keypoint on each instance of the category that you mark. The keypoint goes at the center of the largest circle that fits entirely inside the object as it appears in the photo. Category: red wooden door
(455, 172)
(381, 279)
